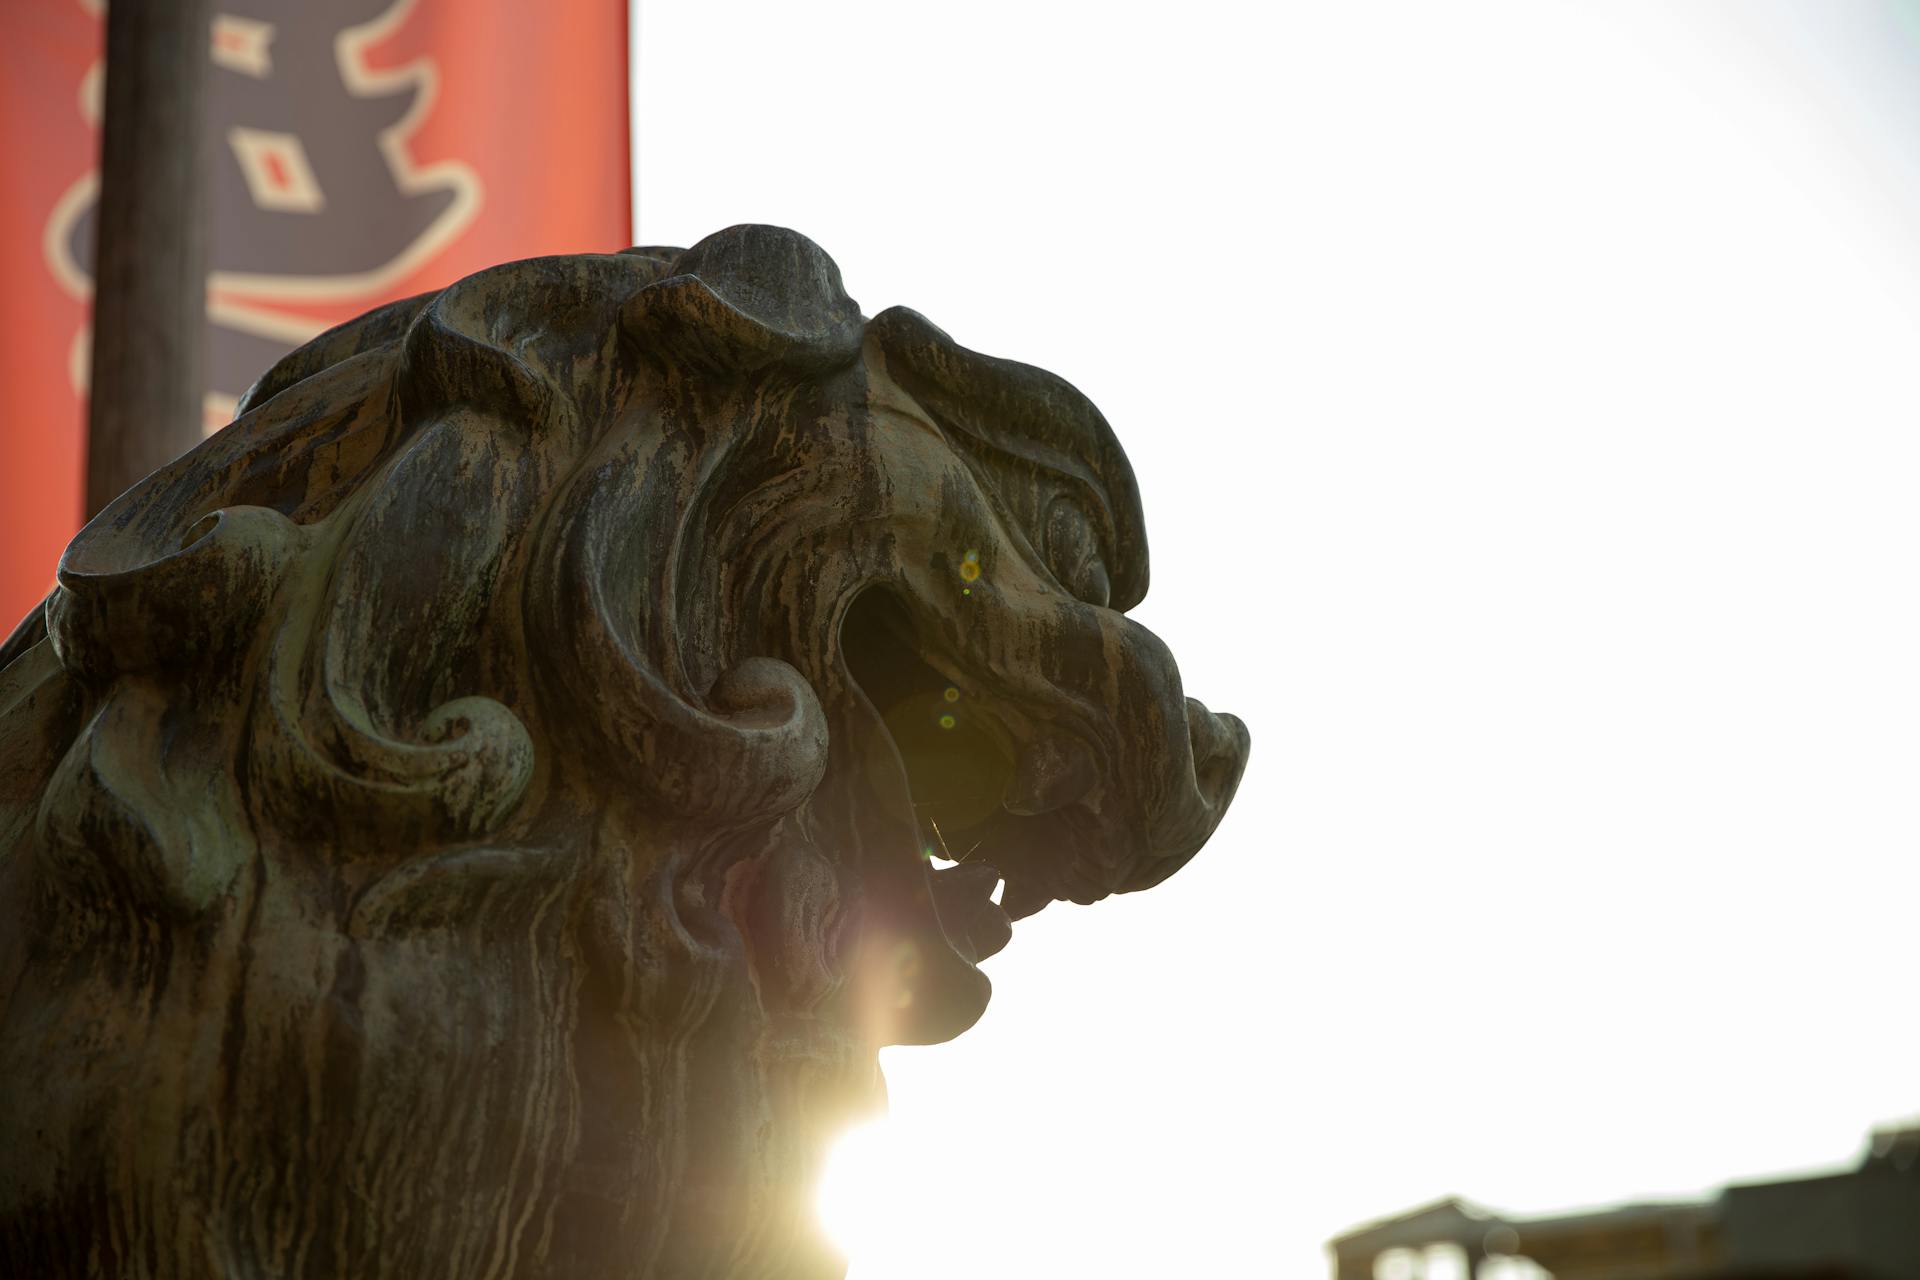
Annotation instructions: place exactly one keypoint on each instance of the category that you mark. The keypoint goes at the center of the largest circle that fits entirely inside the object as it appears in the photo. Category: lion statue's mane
(468, 817)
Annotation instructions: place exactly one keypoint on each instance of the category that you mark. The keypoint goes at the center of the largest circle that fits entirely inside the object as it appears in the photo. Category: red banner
(361, 151)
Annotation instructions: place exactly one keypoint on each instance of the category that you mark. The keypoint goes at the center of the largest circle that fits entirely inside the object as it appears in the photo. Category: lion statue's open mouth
(482, 812)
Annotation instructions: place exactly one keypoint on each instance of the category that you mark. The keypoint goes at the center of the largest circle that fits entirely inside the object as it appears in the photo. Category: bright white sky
(1523, 395)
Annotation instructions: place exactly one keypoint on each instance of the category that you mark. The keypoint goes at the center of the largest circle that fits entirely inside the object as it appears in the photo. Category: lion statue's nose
(1220, 745)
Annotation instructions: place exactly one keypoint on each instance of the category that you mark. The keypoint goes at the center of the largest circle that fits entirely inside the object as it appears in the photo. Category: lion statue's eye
(1072, 552)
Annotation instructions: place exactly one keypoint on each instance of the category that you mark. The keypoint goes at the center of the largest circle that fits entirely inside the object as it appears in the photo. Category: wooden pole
(149, 301)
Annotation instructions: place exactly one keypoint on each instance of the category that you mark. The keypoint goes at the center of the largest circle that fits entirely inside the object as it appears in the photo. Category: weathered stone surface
(468, 818)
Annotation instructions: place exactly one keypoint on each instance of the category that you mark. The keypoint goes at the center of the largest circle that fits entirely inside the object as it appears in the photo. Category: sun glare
(864, 1201)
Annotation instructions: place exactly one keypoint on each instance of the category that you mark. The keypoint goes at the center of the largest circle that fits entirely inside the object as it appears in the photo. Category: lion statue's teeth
(963, 896)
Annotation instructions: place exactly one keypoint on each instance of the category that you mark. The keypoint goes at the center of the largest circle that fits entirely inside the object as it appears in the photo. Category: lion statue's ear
(747, 299)
(1031, 435)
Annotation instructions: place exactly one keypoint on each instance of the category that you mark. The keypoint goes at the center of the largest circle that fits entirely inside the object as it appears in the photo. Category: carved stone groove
(471, 817)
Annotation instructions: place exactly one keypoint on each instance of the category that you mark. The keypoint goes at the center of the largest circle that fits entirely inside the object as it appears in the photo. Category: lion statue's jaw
(481, 813)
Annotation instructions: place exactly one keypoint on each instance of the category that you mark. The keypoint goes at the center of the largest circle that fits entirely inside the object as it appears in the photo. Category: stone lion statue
(481, 813)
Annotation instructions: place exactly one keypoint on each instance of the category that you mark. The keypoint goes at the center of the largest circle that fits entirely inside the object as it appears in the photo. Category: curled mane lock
(749, 299)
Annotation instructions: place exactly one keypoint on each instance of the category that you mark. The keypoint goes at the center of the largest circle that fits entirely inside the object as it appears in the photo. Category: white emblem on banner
(276, 169)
